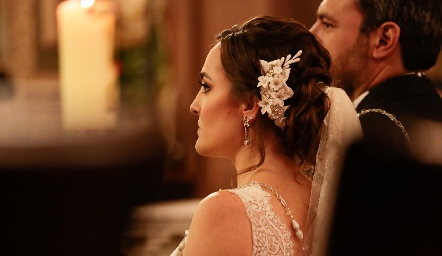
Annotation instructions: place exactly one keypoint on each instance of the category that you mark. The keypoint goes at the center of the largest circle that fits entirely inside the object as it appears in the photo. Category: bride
(265, 104)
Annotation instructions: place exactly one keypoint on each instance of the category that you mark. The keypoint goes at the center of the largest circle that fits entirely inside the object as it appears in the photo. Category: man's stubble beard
(347, 69)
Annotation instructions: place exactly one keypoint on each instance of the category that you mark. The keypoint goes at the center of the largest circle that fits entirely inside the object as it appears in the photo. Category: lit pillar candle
(88, 77)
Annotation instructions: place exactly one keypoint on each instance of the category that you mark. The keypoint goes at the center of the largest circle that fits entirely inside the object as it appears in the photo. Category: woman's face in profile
(220, 126)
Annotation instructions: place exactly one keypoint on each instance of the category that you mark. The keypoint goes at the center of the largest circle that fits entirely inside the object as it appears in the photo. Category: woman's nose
(194, 109)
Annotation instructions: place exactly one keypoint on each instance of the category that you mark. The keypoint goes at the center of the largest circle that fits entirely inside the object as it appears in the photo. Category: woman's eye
(205, 87)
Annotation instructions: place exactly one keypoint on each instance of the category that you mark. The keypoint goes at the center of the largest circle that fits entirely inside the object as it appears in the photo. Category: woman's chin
(202, 149)
(199, 147)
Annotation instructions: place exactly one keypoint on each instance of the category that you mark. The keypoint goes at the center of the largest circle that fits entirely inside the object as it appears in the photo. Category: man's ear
(251, 107)
(385, 40)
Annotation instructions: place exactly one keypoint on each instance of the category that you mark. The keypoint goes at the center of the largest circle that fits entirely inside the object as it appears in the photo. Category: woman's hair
(269, 38)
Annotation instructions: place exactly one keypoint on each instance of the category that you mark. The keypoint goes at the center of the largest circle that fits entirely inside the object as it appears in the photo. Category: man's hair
(420, 22)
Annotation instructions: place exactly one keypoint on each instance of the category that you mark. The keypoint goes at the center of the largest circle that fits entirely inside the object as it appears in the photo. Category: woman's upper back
(270, 235)
(241, 221)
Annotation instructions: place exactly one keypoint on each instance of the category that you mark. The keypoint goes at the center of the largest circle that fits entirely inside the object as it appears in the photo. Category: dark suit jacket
(411, 99)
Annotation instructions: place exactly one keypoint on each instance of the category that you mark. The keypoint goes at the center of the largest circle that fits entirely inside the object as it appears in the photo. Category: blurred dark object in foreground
(6, 86)
(71, 200)
(388, 203)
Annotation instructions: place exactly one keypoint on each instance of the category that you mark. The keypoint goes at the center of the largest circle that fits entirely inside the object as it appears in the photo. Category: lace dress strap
(270, 235)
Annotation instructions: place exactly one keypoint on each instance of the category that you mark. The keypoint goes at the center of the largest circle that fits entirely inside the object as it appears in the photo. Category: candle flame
(87, 3)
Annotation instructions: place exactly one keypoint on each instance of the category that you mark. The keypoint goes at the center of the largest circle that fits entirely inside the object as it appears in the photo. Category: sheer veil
(342, 129)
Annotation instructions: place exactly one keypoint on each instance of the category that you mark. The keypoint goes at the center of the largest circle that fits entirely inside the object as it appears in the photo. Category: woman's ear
(385, 40)
(251, 107)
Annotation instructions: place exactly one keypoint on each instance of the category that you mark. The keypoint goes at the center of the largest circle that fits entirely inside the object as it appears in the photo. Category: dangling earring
(246, 130)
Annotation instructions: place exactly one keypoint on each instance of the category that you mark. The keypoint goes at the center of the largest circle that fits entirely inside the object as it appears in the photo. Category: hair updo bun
(269, 38)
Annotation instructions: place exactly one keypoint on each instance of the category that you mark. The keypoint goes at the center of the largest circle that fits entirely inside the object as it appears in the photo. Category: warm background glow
(87, 3)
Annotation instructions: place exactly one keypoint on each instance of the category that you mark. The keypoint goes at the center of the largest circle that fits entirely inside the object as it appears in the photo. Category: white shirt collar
(359, 99)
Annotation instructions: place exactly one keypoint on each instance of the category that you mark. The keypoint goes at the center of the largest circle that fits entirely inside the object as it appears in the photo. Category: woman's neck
(275, 166)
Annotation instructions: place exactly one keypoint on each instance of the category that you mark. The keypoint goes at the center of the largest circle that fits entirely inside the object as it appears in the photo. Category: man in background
(380, 50)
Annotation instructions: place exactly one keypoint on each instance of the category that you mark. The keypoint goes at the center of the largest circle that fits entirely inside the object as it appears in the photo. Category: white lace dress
(270, 235)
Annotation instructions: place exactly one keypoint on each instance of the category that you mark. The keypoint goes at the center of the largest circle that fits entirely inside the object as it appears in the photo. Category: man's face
(338, 26)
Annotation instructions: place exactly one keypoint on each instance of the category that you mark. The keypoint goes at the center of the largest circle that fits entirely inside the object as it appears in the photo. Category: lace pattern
(270, 235)
(179, 250)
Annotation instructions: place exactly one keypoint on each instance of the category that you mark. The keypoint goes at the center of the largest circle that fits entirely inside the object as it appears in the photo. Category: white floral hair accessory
(274, 89)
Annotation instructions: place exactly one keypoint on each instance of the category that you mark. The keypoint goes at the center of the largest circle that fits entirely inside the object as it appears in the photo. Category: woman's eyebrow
(205, 75)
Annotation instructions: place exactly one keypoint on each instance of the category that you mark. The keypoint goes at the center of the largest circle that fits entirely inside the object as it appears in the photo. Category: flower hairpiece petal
(265, 65)
(274, 89)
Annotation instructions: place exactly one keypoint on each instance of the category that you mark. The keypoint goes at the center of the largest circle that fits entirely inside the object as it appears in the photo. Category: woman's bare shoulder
(220, 226)
(221, 204)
